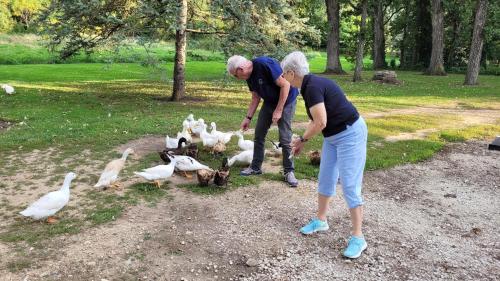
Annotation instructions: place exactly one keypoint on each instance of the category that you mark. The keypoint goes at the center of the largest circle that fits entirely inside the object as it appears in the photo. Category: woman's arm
(318, 113)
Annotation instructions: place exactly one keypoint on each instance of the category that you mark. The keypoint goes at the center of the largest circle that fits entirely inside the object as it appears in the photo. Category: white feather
(245, 157)
(244, 144)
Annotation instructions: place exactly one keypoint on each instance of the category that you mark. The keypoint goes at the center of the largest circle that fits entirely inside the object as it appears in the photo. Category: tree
(333, 44)
(244, 27)
(436, 65)
(378, 35)
(179, 88)
(423, 34)
(477, 43)
(361, 42)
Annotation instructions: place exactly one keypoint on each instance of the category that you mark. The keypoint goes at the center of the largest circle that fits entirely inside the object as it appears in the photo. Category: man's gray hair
(234, 62)
(296, 62)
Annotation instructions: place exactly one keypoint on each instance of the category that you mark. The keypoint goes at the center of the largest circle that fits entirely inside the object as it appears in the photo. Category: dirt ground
(436, 220)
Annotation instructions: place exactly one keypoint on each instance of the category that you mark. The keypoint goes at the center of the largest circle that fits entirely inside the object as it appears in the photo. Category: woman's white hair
(235, 62)
(296, 62)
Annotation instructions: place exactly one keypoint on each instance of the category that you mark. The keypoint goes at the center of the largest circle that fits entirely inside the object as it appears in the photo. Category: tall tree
(179, 88)
(333, 44)
(436, 65)
(423, 34)
(477, 43)
(378, 35)
(361, 42)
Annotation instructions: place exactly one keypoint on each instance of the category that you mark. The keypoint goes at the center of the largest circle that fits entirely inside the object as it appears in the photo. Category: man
(265, 81)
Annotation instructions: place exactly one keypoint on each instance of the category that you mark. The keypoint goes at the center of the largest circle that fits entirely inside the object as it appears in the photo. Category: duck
(221, 176)
(224, 137)
(179, 148)
(242, 143)
(207, 138)
(243, 157)
(197, 126)
(185, 132)
(204, 177)
(50, 203)
(315, 157)
(192, 150)
(173, 143)
(276, 149)
(160, 172)
(218, 147)
(186, 164)
(8, 89)
(110, 174)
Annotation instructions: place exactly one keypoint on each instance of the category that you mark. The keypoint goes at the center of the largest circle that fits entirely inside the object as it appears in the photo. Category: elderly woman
(344, 146)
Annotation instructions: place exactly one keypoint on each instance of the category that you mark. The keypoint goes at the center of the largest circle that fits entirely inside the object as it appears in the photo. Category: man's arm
(284, 90)
(251, 111)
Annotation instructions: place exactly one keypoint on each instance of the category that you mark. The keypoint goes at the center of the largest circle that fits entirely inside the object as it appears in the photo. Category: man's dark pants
(285, 134)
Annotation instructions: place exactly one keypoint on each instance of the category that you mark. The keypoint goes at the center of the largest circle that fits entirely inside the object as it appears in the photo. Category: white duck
(172, 142)
(160, 172)
(189, 164)
(110, 174)
(185, 132)
(223, 137)
(197, 126)
(243, 157)
(244, 144)
(207, 138)
(8, 89)
(51, 202)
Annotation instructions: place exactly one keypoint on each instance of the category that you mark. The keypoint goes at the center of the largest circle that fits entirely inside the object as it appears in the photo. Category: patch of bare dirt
(5, 125)
(436, 220)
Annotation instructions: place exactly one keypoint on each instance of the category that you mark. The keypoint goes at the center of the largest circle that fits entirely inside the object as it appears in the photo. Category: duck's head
(213, 125)
(129, 150)
(190, 117)
(4, 86)
(239, 134)
(70, 176)
(185, 124)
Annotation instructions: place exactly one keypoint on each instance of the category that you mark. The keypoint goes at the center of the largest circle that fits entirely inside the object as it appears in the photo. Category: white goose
(160, 172)
(185, 132)
(244, 144)
(207, 138)
(8, 89)
(197, 126)
(223, 137)
(51, 202)
(189, 164)
(245, 157)
(110, 174)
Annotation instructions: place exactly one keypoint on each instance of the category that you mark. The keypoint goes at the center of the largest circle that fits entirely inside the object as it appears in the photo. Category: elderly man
(265, 81)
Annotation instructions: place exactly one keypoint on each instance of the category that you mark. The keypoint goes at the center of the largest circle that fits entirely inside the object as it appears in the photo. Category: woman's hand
(297, 146)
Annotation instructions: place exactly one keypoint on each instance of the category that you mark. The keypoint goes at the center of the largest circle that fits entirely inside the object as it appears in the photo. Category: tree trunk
(436, 65)
(378, 36)
(402, 56)
(477, 43)
(361, 42)
(450, 62)
(333, 44)
(423, 35)
(179, 88)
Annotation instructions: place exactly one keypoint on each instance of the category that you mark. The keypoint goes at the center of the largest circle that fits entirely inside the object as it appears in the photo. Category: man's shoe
(355, 247)
(291, 180)
(249, 172)
(314, 225)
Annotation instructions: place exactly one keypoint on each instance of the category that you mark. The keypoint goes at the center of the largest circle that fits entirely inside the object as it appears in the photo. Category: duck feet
(51, 220)
(116, 186)
(157, 183)
(189, 176)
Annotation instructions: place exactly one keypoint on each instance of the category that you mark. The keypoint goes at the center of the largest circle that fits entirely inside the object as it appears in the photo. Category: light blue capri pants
(344, 155)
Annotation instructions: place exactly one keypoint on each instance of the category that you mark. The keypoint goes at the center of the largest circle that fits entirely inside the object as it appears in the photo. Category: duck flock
(180, 155)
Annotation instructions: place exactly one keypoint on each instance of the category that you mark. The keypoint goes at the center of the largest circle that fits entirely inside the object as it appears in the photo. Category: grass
(77, 107)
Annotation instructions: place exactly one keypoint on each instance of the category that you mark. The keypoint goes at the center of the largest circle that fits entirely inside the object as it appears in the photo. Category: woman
(344, 146)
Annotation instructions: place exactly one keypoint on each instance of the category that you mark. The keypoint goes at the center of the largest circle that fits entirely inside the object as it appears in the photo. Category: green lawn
(99, 106)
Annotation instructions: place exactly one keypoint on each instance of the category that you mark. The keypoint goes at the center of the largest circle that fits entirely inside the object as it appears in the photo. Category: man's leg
(263, 123)
(285, 132)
